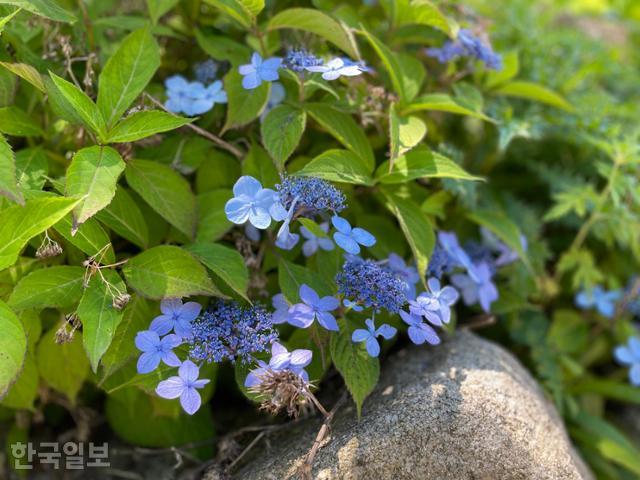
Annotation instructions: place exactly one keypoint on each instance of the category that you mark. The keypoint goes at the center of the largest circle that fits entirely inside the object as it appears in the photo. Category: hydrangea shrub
(195, 187)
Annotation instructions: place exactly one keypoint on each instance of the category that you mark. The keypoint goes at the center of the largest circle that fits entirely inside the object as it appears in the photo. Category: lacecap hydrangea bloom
(175, 316)
(230, 331)
(310, 195)
(259, 71)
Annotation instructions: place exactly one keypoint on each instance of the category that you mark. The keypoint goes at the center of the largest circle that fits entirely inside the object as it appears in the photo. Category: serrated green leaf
(45, 8)
(24, 391)
(53, 287)
(90, 238)
(281, 131)
(124, 217)
(359, 370)
(8, 175)
(144, 124)
(166, 191)
(421, 163)
(338, 166)
(80, 105)
(243, 106)
(316, 22)
(235, 10)
(126, 74)
(14, 121)
(226, 263)
(168, 271)
(31, 168)
(404, 133)
(535, 92)
(344, 129)
(98, 315)
(26, 72)
(441, 102)
(416, 228)
(213, 222)
(13, 348)
(18, 224)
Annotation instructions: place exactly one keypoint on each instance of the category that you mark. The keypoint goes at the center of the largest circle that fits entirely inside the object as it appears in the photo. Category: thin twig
(480, 321)
(201, 131)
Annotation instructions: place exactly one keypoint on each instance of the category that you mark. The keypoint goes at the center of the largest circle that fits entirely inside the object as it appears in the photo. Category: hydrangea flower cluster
(192, 98)
(467, 45)
(297, 60)
(370, 285)
(312, 195)
(230, 331)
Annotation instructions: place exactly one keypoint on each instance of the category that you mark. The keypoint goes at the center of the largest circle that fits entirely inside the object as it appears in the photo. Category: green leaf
(344, 128)
(127, 73)
(18, 224)
(81, 105)
(31, 168)
(391, 64)
(144, 124)
(535, 92)
(63, 366)
(338, 166)
(13, 348)
(313, 227)
(622, 392)
(45, 8)
(124, 217)
(98, 315)
(292, 276)
(316, 22)
(509, 70)
(441, 102)
(26, 72)
(281, 131)
(416, 228)
(359, 370)
(53, 287)
(243, 106)
(168, 271)
(166, 191)
(213, 222)
(504, 228)
(258, 164)
(135, 318)
(404, 133)
(222, 48)
(236, 10)
(421, 163)
(24, 391)
(92, 176)
(90, 238)
(157, 8)
(7, 18)
(8, 176)
(226, 263)
(14, 121)
(424, 12)
(569, 333)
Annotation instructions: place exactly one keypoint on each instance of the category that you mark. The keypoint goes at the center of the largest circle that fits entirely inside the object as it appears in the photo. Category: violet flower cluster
(467, 45)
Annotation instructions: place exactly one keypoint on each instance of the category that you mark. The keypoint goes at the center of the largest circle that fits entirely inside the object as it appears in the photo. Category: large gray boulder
(466, 409)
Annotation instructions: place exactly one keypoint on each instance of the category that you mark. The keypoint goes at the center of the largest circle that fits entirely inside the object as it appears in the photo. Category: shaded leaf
(13, 347)
(53, 287)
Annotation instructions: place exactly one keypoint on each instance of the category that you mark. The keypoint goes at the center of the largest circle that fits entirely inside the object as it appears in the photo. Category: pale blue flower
(407, 273)
(156, 349)
(253, 203)
(259, 70)
(629, 355)
(310, 247)
(281, 359)
(281, 314)
(437, 300)
(419, 332)
(457, 256)
(369, 336)
(185, 386)
(350, 239)
(336, 68)
(215, 93)
(186, 97)
(313, 308)
(477, 287)
(175, 316)
(602, 300)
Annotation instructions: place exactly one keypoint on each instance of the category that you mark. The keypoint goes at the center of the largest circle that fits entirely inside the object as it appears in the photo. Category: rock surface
(464, 410)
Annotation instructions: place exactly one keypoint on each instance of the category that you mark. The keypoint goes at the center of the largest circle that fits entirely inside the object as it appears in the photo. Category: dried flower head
(121, 300)
(282, 390)
(49, 249)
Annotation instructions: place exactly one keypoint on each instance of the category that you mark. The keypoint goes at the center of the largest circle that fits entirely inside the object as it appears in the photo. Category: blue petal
(148, 362)
(237, 211)
(341, 224)
(373, 348)
(363, 237)
(360, 335)
(259, 218)
(251, 81)
(347, 243)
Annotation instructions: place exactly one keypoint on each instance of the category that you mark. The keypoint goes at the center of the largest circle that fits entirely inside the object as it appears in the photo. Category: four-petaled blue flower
(419, 332)
(259, 70)
(314, 242)
(336, 68)
(629, 355)
(281, 315)
(192, 98)
(175, 316)
(185, 386)
(437, 300)
(604, 301)
(281, 359)
(458, 257)
(369, 336)
(253, 203)
(214, 93)
(313, 307)
(350, 239)
(156, 349)
(476, 286)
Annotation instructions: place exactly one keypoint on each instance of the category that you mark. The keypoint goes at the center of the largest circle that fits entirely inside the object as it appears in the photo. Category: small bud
(120, 301)
(48, 250)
